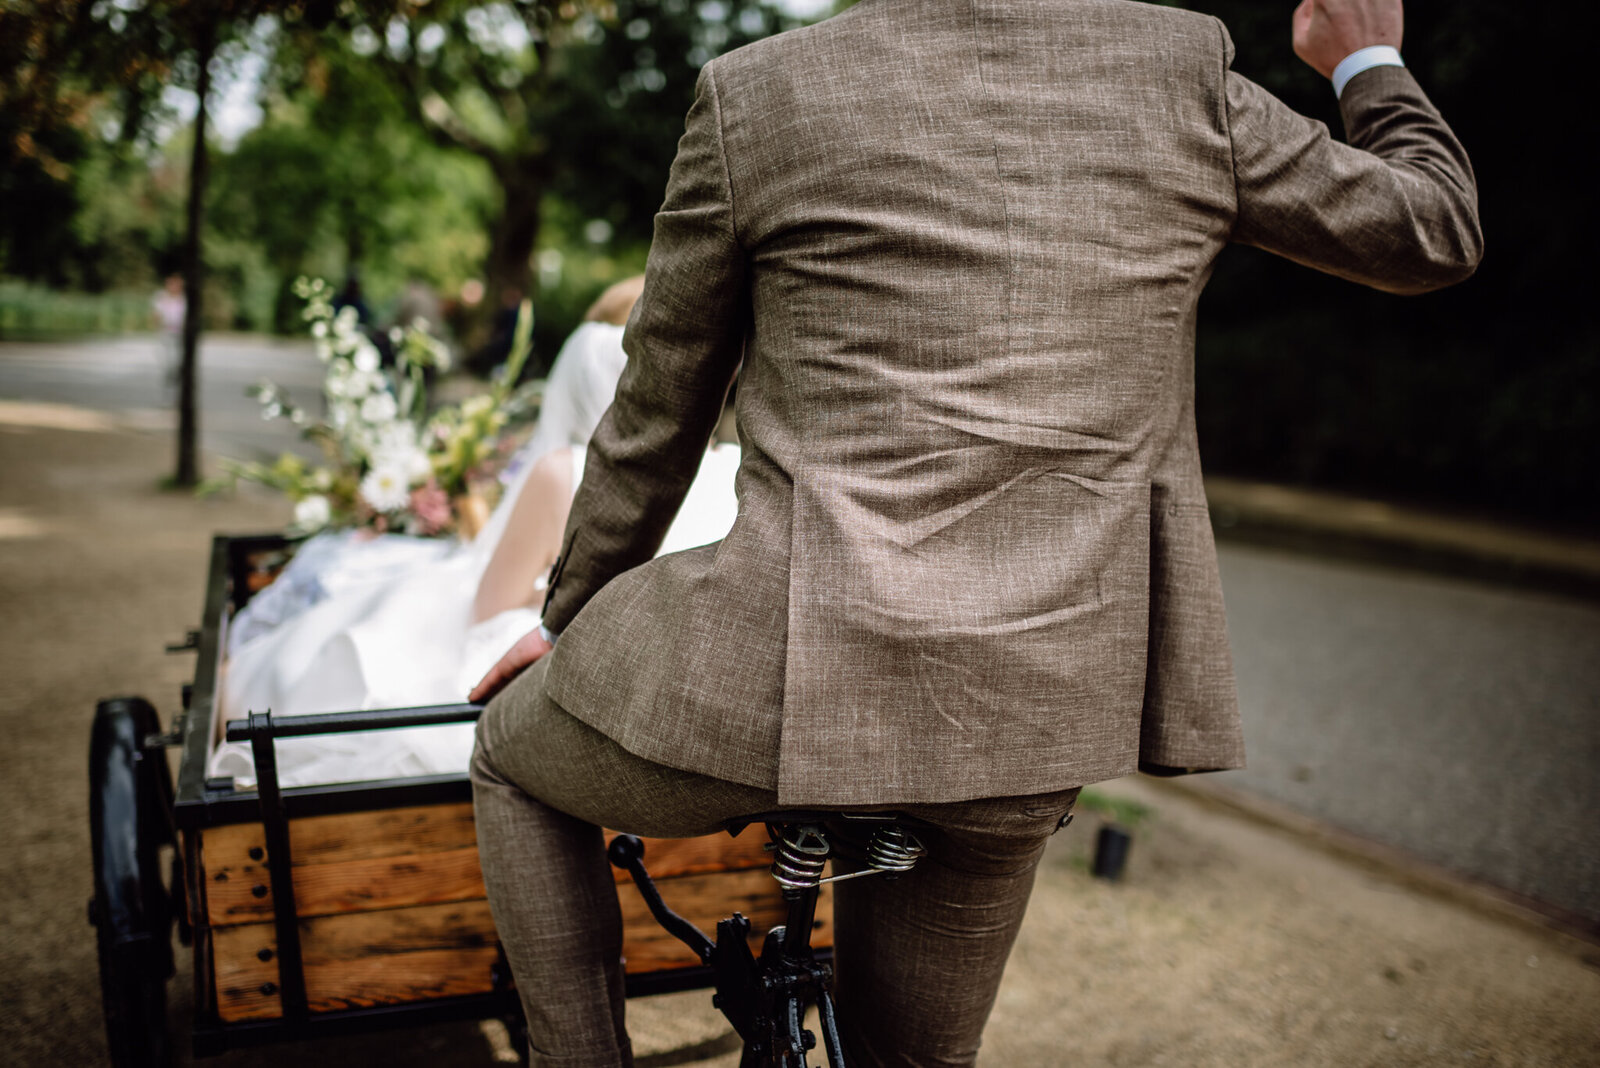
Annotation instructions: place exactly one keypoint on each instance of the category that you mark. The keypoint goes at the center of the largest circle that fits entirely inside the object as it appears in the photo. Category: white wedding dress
(362, 622)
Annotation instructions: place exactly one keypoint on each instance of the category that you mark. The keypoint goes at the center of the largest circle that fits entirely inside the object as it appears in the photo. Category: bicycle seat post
(765, 997)
(802, 851)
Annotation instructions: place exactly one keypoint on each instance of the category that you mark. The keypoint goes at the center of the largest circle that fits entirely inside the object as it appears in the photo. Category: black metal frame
(202, 804)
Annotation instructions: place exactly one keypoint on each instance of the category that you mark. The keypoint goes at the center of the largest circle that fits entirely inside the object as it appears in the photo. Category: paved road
(1457, 720)
(127, 375)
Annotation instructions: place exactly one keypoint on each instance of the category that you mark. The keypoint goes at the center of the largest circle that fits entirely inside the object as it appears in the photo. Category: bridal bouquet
(389, 465)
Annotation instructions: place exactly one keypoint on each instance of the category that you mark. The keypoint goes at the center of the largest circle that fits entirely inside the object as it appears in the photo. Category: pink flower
(431, 506)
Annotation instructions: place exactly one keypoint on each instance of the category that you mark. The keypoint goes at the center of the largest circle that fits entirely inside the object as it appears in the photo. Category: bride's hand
(529, 648)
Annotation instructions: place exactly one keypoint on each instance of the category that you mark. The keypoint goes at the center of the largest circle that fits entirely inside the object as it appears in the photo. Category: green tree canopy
(338, 177)
(556, 97)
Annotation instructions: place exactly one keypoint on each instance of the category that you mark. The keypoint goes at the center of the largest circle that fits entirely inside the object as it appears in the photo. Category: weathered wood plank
(668, 858)
(337, 869)
(439, 828)
(245, 896)
(349, 836)
(360, 959)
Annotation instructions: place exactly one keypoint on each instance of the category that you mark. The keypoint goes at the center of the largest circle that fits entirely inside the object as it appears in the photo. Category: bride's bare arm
(532, 538)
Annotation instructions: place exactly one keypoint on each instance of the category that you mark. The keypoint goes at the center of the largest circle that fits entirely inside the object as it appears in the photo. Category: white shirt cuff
(547, 634)
(1363, 59)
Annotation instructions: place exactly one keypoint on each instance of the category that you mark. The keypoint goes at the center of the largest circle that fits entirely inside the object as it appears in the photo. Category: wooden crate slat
(703, 900)
(350, 836)
(434, 973)
(668, 858)
(440, 828)
(360, 958)
(350, 886)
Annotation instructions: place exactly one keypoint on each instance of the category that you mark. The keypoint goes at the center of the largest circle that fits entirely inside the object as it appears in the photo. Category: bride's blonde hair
(615, 303)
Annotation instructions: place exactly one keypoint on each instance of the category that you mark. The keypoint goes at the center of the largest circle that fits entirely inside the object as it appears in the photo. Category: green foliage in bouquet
(469, 433)
(388, 464)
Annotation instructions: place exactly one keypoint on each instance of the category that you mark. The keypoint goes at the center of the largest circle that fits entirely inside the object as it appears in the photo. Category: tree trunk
(508, 270)
(188, 472)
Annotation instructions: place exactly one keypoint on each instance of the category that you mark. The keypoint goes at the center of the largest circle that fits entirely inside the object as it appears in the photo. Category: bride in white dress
(360, 622)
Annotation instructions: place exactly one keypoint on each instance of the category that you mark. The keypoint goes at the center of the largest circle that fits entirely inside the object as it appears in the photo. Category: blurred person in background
(351, 296)
(418, 302)
(169, 307)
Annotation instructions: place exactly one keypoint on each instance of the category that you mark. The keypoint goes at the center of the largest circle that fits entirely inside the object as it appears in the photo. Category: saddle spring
(802, 850)
(894, 849)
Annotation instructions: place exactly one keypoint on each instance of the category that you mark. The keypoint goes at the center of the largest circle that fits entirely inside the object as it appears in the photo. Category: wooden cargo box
(392, 908)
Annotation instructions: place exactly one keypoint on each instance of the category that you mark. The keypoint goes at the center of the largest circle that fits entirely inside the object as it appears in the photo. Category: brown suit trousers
(918, 959)
(956, 246)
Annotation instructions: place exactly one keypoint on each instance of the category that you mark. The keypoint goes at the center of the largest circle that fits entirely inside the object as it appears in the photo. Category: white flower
(366, 359)
(379, 408)
(386, 488)
(319, 330)
(397, 437)
(360, 383)
(324, 350)
(336, 383)
(396, 447)
(359, 437)
(312, 513)
(411, 462)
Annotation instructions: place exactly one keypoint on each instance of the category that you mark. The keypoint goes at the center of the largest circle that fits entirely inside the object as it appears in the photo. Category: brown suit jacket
(957, 245)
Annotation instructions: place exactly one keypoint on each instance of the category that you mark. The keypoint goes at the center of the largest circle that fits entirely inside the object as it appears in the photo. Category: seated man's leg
(920, 956)
(543, 784)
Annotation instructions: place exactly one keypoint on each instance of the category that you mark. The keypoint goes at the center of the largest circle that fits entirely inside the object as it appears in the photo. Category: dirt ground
(1228, 942)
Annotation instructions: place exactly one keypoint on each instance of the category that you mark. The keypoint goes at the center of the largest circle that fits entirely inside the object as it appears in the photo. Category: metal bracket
(191, 642)
(275, 824)
(168, 739)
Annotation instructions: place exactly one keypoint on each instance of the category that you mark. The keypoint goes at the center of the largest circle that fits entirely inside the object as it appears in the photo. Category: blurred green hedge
(30, 312)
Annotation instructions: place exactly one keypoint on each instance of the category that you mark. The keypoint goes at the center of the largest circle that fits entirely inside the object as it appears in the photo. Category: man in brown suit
(957, 246)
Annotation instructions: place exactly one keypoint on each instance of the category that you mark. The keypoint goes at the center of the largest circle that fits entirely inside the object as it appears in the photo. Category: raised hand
(1325, 31)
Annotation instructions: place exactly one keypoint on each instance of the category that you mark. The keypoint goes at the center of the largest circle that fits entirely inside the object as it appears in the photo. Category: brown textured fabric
(958, 245)
(919, 958)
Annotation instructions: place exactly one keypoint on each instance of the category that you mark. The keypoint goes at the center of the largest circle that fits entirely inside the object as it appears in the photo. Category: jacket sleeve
(684, 342)
(1396, 208)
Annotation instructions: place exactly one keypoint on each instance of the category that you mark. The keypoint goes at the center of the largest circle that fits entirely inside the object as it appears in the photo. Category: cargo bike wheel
(134, 907)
